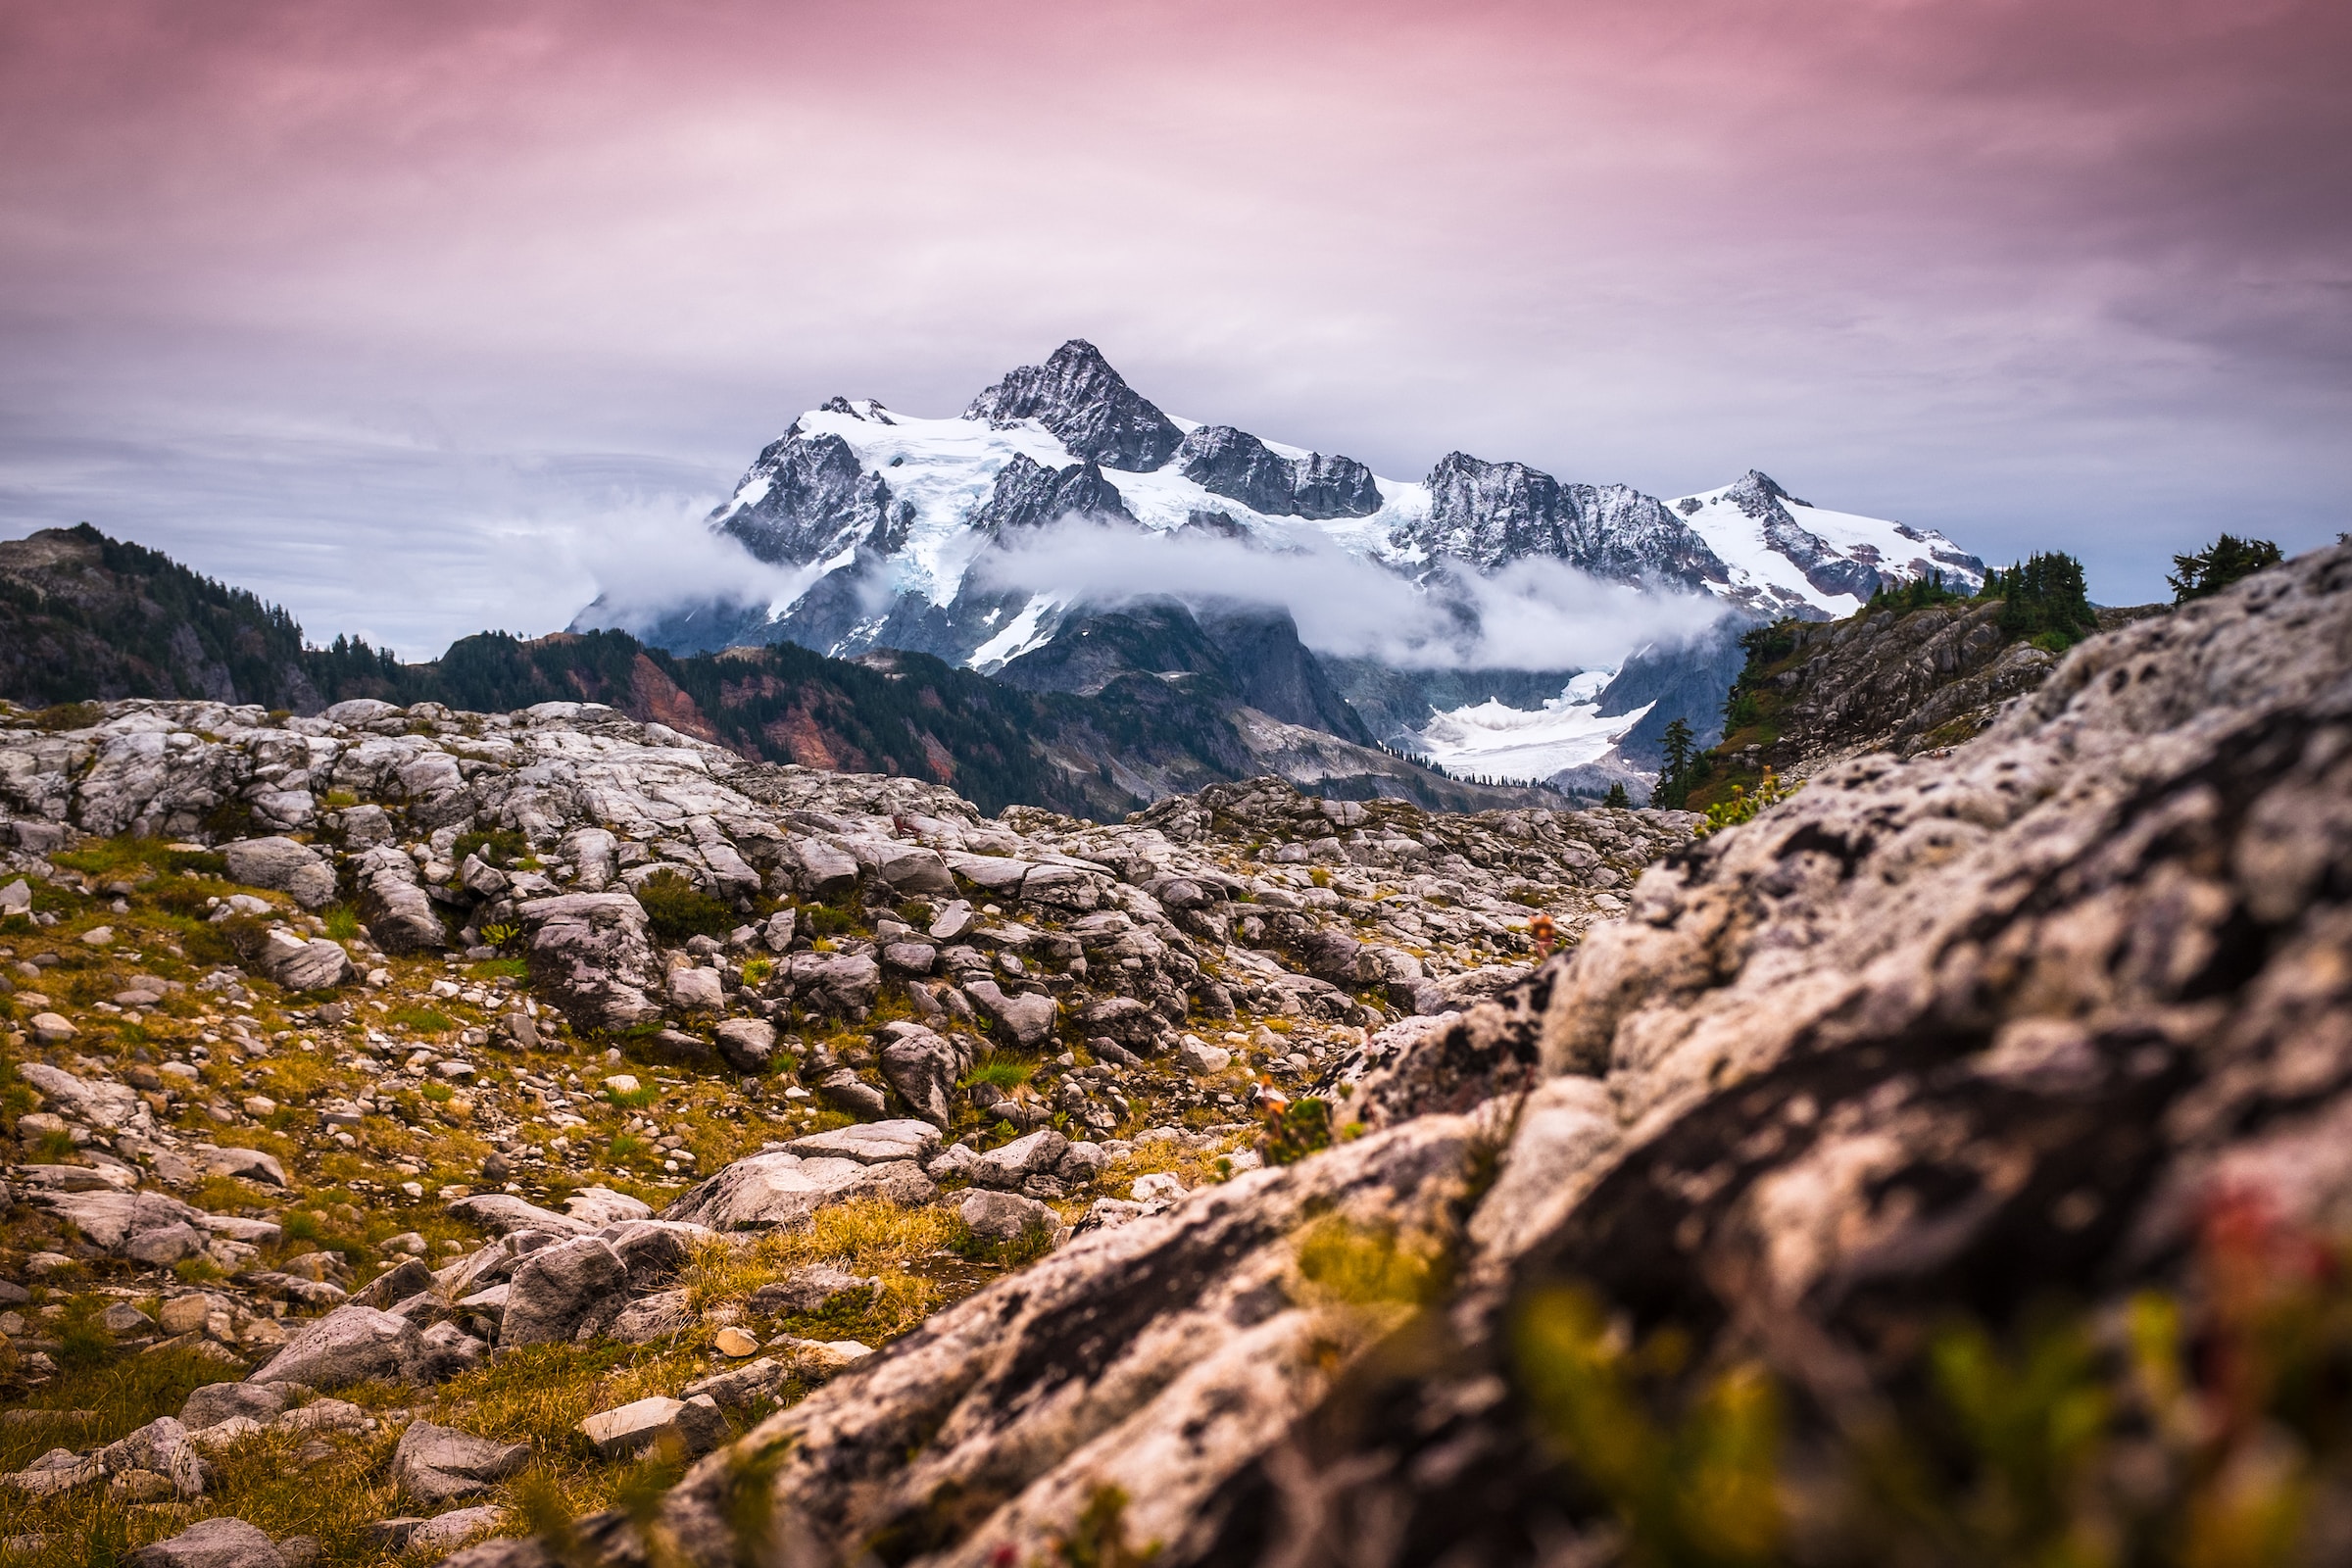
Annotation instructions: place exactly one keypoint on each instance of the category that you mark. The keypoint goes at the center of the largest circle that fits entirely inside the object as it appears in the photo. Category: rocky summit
(546, 1138)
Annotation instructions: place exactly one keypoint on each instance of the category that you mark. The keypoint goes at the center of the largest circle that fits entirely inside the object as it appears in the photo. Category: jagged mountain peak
(1760, 489)
(1088, 406)
(867, 408)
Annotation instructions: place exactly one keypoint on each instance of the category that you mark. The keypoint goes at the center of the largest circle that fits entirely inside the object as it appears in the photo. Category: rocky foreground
(1947, 1166)
(455, 1110)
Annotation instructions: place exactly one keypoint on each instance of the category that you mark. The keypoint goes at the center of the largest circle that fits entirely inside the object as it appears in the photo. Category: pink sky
(384, 310)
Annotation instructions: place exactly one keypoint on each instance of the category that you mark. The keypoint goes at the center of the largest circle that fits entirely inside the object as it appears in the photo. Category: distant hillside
(1915, 670)
(83, 616)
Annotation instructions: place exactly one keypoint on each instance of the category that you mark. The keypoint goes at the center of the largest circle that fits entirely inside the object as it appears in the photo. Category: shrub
(826, 919)
(1000, 1073)
(1743, 806)
(68, 716)
(678, 910)
(1098, 1538)
(342, 922)
(83, 1341)
(1354, 1266)
(1296, 1130)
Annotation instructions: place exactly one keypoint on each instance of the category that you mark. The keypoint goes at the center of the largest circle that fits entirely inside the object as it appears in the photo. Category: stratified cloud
(1535, 614)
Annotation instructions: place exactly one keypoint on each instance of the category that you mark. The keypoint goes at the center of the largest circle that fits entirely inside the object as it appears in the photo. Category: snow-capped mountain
(893, 523)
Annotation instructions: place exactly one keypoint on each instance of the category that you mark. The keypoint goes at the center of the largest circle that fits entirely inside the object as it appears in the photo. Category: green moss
(500, 846)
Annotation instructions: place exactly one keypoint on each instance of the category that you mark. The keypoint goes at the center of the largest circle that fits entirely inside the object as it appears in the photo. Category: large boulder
(1006, 1219)
(692, 1426)
(913, 869)
(747, 1044)
(561, 1294)
(215, 1403)
(243, 1164)
(99, 1101)
(653, 1251)
(923, 1068)
(1037, 1153)
(872, 1143)
(503, 1215)
(316, 964)
(590, 953)
(781, 1190)
(1028, 1018)
(160, 1447)
(283, 865)
(350, 1345)
(435, 1464)
(397, 912)
(222, 1543)
(836, 982)
(112, 1219)
(602, 1206)
(824, 870)
(1066, 888)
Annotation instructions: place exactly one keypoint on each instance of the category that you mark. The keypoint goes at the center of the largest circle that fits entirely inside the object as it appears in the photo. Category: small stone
(819, 1356)
(184, 1314)
(1202, 1059)
(734, 1343)
(436, 1464)
(1005, 1218)
(1158, 1188)
(620, 1083)
(695, 1425)
(124, 1318)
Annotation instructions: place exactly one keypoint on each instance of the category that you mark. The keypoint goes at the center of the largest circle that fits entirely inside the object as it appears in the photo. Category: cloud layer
(311, 291)
(1533, 615)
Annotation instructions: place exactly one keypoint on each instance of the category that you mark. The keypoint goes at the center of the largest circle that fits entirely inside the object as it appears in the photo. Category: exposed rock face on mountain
(1087, 404)
(1493, 513)
(816, 501)
(1237, 466)
(1942, 1034)
(1252, 654)
(1027, 494)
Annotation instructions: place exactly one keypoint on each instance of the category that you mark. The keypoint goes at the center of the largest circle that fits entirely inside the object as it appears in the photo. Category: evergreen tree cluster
(2219, 564)
(1919, 592)
(2044, 600)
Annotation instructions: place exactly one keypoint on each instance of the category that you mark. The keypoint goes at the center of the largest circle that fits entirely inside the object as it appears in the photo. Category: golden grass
(908, 1250)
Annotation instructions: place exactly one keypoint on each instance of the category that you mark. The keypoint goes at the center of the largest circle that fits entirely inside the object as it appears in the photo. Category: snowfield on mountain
(939, 536)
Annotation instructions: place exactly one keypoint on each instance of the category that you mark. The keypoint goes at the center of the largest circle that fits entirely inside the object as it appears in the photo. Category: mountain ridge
(906, 532)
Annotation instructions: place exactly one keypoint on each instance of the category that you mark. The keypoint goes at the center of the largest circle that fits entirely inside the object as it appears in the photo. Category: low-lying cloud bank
(1533, 614)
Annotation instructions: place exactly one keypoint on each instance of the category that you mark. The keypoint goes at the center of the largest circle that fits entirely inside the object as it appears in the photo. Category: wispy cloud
(1535, 614)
